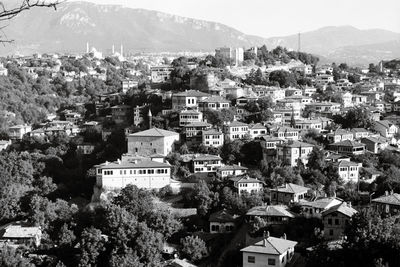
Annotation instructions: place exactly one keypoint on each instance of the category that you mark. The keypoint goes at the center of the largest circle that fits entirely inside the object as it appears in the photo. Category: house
(231, 170)
(348, 171)
(326, 109)
(388, 204)
(359, 133)
(178, 263)
(335, 220)
(339, 135)
(385, 128)
(187, 99)
(269, 145)
(212, 138)
(18, 131)
(285, 115)
(315, 208)
(270, 251)
(293, 92)
(358, 100)
(286, 133)
(142, 173)
(288, 193)
(73, 117)
(275, 93)
(206, 163)
(188, 116)
(235, 130)
(152, 141)
(257, 130)
(272, 214)
(85, 148)
(194, 129)
(161, 74)
(375, 144)
(291, 152)
(247, 184)
(20, 234)
(221, 222)
(306, 124)
(214, 102)
(348, 147)
(121, 113)
(4, 144)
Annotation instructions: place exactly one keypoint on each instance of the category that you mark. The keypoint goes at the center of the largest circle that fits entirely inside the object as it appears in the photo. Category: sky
(267, 18)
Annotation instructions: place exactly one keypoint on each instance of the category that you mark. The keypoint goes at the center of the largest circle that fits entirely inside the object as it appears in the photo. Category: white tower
(87, 48)
(122, 50)
(113, 49)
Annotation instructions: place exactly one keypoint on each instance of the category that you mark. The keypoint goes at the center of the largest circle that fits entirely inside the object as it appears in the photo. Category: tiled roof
(206, 157)
(271, 246)
(320, 203)
(272, 210)
(215, 99)
(295, 143)
(231, 167)
(245, 179)
(345, 163)
(237, 124)
(291, 188)
(197, 124)
(393, 199)
(140, 164)
(155, 132)
(212, 132)
(221, 216)
(341, 208)
(17, 230)
(191, 93)
(257, 126)
(348, 143)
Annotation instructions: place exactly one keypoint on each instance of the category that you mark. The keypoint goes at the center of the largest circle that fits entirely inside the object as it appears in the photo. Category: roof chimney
(284, 236)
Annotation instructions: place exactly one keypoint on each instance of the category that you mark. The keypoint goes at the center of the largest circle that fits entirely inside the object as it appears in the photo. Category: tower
(122, 50)
(87, 47)
(150, 119)
(113, 49)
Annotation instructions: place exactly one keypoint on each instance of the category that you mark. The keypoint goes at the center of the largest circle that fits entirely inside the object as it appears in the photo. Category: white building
(235, 130)
(206, 163)
(289, 153)
(144, 174)
(212, 138)
(18, 131)
(189, 116)
(231, 170)
(161, 74)
(246, 184)
(270, 251)
(257, 130)
(348, 171)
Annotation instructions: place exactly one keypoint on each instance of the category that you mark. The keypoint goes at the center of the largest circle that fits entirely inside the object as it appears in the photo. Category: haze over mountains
(75, 23)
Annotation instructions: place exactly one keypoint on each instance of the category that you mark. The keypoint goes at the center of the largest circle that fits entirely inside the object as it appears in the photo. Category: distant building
(348, 147)
(236, 55)
(206, 163)
(335, 220)
(246, 184)
(315, 208)
(272, 214)
(214, 102)
(388, 204)
(270, 251)
(221, 222)
(340, 135)
(152, 141)
(231, 170)
(291, 152)
(187, 99)
(120, 114)
(235, 130)
(161, 74)
(212, 138)
(288, 193)
(19, 234)
(18, 131)
(348, 171)
(385, 128)
(189, 116)
(257, 130)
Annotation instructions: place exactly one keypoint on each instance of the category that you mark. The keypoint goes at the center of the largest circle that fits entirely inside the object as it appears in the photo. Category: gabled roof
(345, 163)
(215, 99)
(271, 246)
(212, 132)
(295, 144)
(342, 208)
(270, 211)
(191, 93)
(197, 124)
(393, 199)
(140, 164)
(237, 124)
(221, 216)
(257, 126)
(321, 203)
(155, 132)
(291, 188)
(231, 167)
(384, 123)
(348, 143)
(206, 157)
(286, 129)
(246, 179)
(359, 130)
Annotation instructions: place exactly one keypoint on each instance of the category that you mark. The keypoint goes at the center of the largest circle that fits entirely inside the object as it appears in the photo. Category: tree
(91, 245)
(164, 222)
(316, 159)
(10, 257)
(204, 198)
(284, 78)
(193, 248)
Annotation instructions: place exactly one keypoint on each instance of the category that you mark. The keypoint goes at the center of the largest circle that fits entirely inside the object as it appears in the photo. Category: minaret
(122, 50)
(150, 119)
(87, 48)
(113, 49)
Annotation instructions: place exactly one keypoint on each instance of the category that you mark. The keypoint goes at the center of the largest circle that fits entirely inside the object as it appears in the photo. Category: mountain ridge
(141, 30)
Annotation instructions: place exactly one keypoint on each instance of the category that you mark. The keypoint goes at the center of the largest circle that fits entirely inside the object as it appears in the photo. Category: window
(331, 232)
(271, 262)
(251, 259)
(336, 221)
(330, 221)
